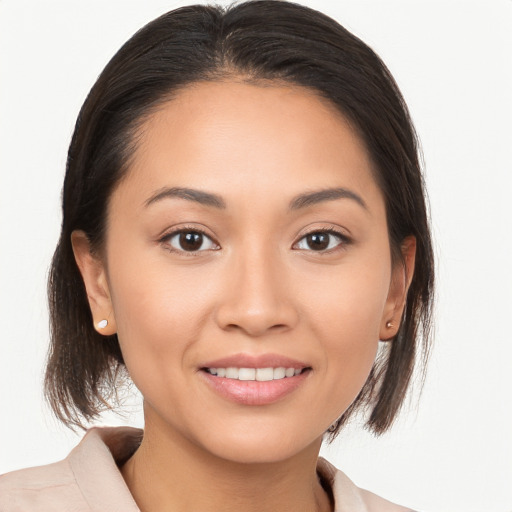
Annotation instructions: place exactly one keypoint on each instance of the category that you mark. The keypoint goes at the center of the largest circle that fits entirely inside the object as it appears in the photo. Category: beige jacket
(89, 480)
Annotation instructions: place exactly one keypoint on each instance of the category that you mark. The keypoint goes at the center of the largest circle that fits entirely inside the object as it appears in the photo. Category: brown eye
(190, 241)
(318, 241)
(321, 241)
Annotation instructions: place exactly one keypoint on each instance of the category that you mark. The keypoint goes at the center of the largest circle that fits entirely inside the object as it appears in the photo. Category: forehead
(251, 140)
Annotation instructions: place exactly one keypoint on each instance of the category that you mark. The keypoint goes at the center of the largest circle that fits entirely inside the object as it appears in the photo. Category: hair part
(259, 42)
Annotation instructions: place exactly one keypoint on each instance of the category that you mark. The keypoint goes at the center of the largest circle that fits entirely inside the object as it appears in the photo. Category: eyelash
(165, 240)
(344, 240)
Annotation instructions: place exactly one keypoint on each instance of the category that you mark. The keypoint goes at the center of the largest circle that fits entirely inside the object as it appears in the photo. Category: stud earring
(102, 324)
(333, 427)
(389, 324)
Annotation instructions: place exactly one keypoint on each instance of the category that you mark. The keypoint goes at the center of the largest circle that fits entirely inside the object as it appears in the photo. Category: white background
(453, 62)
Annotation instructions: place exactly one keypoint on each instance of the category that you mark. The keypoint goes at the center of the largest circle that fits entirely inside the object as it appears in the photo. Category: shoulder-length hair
(252, 41)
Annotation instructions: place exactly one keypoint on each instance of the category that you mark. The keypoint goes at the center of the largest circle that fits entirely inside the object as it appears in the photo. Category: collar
(96, 460)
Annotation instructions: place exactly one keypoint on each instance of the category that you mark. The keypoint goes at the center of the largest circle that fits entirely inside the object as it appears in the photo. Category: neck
(169, 472)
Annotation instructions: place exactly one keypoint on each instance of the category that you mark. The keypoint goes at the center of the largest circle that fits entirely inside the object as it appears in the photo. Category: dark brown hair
(252, 41)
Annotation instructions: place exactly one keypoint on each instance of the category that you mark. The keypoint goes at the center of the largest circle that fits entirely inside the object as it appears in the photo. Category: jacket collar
(96, 461)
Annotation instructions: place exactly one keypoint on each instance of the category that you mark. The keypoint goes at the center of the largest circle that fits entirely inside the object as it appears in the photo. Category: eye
(321, 241)
(189, 240)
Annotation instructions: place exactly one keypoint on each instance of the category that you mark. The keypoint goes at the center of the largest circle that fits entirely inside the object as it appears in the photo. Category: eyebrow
(214, 200)
(189, 194)
(328, 194)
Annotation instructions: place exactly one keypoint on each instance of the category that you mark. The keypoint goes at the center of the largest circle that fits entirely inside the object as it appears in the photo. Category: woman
(243, 221)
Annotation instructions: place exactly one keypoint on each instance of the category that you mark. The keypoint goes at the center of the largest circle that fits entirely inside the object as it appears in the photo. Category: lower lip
(252, 392)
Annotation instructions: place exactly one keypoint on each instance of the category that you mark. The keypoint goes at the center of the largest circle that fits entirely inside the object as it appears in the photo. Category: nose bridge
(257, 277)
(257, 299)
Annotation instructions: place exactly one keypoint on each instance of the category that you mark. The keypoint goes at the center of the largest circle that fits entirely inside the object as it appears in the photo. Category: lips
(254, 380)
(255, 361)
(259, 374)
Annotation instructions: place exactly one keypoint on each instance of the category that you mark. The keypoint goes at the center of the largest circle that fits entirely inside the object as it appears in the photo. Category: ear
(401, 278)
(96, 284)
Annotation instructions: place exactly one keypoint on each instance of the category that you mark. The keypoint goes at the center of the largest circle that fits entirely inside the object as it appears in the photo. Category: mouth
(255, 380)
(255, 374)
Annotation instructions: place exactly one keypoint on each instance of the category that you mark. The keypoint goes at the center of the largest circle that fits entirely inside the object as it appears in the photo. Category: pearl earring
(102, 324)
(389, 324)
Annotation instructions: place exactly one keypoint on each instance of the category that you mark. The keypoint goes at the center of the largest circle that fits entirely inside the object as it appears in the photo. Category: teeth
(258, 374)
(279, 373)
(232, 373)
(247, 374)
(264, 374)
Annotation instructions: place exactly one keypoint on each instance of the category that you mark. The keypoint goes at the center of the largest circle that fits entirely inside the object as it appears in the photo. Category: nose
(256, 298)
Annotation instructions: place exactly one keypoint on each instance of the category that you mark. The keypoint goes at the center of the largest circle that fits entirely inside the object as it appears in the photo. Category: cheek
(159, 313)
(346, 316)
(349, 302)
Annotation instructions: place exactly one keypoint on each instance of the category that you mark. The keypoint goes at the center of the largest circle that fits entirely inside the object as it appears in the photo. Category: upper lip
(255, 361)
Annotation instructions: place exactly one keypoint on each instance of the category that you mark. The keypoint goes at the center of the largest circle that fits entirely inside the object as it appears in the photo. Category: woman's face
(249, 233)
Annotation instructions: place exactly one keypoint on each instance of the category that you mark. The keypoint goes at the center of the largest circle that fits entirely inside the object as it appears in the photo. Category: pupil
(191, 241)
(318, 241)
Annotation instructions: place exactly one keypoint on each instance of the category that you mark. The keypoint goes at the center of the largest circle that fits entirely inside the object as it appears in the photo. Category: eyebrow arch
(328, 194)
(190, 194)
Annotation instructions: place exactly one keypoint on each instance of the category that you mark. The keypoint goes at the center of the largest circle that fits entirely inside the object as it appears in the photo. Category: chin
(255, 448)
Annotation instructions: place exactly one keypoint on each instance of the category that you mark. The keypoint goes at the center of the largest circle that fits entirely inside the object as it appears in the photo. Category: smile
(249, 379)
(255, 374)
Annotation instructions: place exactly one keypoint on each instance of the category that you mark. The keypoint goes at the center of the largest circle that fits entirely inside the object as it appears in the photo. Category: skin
(257, 287)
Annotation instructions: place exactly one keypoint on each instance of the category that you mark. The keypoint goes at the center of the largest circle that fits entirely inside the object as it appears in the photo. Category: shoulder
(47, 488)
(350, 498)
(88, 479)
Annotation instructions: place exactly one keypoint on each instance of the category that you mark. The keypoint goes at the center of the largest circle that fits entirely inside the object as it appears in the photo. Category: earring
(389, 324)
(102, 324)
(333, 427)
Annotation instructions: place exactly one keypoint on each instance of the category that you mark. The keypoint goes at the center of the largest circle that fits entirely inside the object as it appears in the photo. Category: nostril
(255, 328)
(255, 316)
(279, 326)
